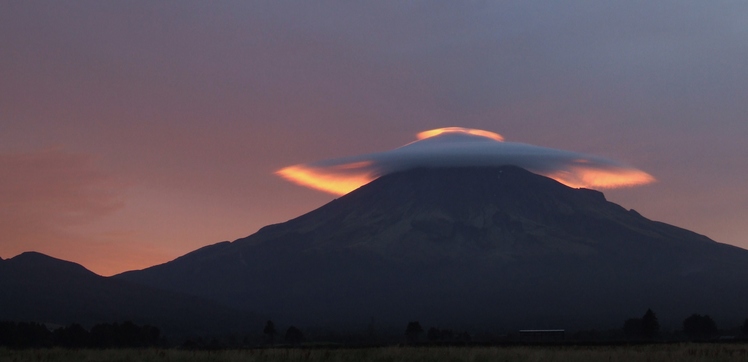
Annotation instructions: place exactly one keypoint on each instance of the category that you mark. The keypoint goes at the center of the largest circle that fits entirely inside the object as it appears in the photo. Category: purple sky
(132, 132)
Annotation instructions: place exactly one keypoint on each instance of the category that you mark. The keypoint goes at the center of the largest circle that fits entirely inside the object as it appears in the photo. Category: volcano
(480, 247)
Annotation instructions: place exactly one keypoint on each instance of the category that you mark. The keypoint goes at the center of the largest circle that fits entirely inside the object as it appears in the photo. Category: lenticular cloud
(455, 147)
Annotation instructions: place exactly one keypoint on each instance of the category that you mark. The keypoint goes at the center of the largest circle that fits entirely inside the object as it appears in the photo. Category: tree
(269, 332)
(645, 327)
(745, 326)
(413, 331)
(124, 335)
(699, 327)
(650, 325)
(72, 336)
(24, 335)
(371, 331)
(433, 334)
(294, 336)
(440, 335)
(464, 337)
(633, 327)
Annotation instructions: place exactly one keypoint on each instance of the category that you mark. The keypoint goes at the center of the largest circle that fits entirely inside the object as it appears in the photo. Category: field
(673, 352)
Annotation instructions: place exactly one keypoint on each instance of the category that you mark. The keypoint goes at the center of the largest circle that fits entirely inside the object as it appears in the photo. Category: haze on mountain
(494, 247)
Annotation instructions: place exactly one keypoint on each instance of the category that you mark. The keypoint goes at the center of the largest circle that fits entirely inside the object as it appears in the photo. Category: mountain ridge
(448, 245)
(40, 288)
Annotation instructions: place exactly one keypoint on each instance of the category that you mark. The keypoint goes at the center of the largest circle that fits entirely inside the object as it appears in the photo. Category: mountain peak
(437, 214)
(32, 255)
(469, 185)
(470, 245)
(32, 260)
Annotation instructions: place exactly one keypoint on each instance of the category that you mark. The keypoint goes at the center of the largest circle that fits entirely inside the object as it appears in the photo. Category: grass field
(674, 352)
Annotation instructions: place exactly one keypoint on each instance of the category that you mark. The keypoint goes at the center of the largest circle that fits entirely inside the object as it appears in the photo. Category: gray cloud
(461, 147)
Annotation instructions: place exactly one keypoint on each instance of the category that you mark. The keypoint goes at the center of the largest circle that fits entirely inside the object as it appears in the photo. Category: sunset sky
(132, 132)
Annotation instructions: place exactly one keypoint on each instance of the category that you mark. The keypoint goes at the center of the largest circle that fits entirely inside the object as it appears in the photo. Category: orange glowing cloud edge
(585, 177)
(344, 178)
(576, 177)
(475, 132)
(327, 181)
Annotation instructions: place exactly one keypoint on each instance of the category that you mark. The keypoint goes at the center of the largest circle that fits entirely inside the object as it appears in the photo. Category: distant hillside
(39, 288)
(492, 247)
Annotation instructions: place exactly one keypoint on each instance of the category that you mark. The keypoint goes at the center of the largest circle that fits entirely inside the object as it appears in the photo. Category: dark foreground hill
(37, 288)
(466, 247)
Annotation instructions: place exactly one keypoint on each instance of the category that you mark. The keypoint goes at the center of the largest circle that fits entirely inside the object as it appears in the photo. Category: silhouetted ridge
(466, 247)
(488, 208)
(39, 288)
(33, 261)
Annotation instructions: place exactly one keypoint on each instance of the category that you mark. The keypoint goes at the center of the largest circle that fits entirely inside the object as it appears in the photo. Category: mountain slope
(39, 288)
(466, 247)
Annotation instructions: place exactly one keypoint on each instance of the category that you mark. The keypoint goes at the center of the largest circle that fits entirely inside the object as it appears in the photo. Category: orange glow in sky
(475, 132)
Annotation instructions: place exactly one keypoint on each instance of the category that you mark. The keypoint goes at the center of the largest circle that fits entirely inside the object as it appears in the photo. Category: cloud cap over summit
(457, 146)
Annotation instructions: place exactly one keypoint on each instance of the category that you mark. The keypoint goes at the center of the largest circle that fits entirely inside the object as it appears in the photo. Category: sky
(133, 132)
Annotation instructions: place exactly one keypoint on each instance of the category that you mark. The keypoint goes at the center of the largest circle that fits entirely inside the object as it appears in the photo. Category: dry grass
(677, 352)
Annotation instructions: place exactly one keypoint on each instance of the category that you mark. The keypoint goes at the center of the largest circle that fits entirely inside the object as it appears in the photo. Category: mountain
(497, 247)
(39, 288)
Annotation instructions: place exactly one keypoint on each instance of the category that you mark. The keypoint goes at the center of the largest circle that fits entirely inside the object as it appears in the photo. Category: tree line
(695, 327)
(105, 335)
(130, 335)
(293, 335)
(413, 332)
